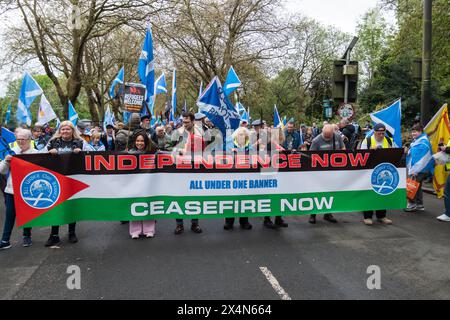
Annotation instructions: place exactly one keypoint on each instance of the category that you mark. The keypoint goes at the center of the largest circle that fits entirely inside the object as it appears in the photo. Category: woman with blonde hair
(65, 140)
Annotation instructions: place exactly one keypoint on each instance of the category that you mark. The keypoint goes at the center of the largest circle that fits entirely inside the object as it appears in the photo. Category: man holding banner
(377, 141)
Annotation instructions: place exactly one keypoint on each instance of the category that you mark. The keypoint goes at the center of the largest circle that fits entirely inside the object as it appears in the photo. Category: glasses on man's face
(22, 140)
(380, 132)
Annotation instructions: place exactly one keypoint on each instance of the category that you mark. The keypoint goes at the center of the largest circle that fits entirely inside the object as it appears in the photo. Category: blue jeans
(447, 197)
(10, 219)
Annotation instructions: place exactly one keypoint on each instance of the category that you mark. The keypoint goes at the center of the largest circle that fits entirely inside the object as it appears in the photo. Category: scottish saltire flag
(73, 115)
(391, 117)
(174, 92)
(245, 117)
(6, 138)
(118, 80)
(276, 118)
(45, 112)
(215, 105)
(171, 116)
(420, 156)
(58, 123)
(160, 85)
(29, 90)
(126, 116)
(284, 121)
(108, 118)
(240, 108)
(232, 82)
(8, 135)
(8, 114)
(146, 64)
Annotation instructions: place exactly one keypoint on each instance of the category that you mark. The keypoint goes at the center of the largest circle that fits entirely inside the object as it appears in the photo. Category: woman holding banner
(23, 147)
(142, 144)
(65, 140)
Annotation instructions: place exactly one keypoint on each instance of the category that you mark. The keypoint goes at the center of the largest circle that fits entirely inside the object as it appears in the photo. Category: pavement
(303, 261)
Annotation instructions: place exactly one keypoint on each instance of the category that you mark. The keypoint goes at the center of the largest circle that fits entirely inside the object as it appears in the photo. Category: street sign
(346, 110)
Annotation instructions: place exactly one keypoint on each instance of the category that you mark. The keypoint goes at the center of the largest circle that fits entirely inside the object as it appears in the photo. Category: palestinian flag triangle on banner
(38, 190)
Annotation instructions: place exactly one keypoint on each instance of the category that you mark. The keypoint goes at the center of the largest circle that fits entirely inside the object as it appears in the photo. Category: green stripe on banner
(213, 206)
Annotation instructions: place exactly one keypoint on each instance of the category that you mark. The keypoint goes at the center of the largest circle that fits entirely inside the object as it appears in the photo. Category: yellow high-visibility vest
(447, 165)
(385, 145)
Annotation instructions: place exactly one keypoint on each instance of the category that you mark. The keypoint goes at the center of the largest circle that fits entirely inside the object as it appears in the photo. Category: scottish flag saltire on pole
(215, 105)
(232, 82)
(161, 85)
(6, 138)
(284, 121)
(276, 118)
(146, 64)
(73, 115)
(174, 92)
(240, 108)
(58, 123)
(8, 135)
(391, 117)
(8, 114)
(29, 91)
(245, 117)
(118, 80)
(108, 119)
(126, 116)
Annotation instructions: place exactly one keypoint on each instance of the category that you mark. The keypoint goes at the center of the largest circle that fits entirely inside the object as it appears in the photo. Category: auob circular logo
(385, 179)
(40, 190)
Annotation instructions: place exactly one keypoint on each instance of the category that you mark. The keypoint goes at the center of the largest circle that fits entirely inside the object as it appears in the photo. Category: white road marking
(275, 284)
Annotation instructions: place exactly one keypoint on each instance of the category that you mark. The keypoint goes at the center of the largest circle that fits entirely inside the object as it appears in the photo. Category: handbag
(412, 186)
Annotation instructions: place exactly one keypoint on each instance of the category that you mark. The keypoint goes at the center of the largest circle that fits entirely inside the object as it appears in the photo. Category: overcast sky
(343, 14)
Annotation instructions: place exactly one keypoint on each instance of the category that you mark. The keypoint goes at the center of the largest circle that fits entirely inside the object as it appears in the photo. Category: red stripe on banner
(25, 212)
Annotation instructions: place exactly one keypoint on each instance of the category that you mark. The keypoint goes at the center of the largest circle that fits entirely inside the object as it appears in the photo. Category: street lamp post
(426, 62)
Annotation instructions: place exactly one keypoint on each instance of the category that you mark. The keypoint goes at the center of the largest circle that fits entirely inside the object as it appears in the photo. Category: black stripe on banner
(89, 163)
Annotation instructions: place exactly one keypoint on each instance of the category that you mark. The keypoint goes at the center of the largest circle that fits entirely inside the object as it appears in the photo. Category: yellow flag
(438, 131)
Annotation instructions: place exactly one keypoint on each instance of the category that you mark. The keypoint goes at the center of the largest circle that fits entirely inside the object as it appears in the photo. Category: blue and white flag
(29, 91)
(184, 107)
(215, 105)
(284, 121)
(108, 119)
(174, 92)
(73, 115)
(276, 118)
(118, 80)
(146, 64)
(420, 156)
(240, 108)
(126, 116)
(232, 82)
(58, 123)
(245, 117)
(8, 114)
(391, 117)
(160, 85)
(6, 138)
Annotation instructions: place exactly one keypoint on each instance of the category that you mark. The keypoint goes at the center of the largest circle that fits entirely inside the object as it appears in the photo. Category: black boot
(329, 217)
(269, 224)
(312, 219)
(280, 222)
